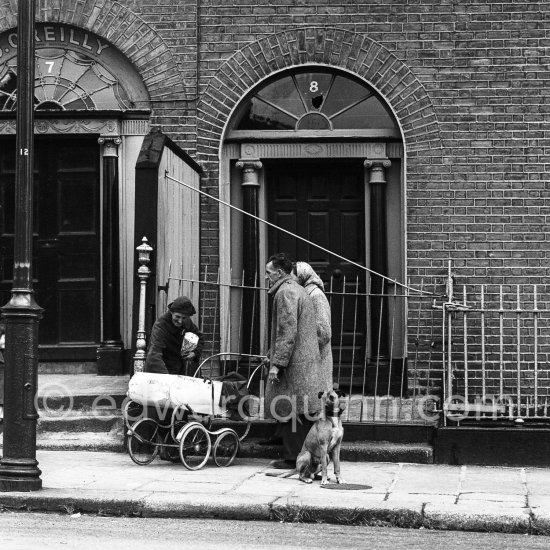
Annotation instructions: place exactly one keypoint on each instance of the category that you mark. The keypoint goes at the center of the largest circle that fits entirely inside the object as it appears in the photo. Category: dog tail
(283, 475)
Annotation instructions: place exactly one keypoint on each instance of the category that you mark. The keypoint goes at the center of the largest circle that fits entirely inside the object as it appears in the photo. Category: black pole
(379, 258)
(251, 270)
(251, 255)
(109, 353)
(111, 275)
(18, 467)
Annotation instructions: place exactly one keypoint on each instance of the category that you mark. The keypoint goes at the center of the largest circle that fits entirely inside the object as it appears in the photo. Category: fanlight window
(314, 100)
(66, 80)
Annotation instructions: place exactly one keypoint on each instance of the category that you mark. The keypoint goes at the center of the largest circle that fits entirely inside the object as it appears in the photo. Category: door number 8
(314, 86)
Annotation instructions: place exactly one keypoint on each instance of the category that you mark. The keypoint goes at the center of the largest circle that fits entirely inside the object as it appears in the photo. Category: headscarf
(306, 276)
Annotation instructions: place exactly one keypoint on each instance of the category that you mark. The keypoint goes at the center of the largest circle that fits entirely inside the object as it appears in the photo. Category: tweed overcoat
(293, 346)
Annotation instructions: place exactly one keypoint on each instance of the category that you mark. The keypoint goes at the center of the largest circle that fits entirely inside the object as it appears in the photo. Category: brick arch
(120, 26)
(336, 48)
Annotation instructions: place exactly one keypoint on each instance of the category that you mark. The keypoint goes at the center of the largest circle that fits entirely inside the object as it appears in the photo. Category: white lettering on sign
(58, 34)
(85, 43)
(100, 46)
(72, 40)
(49, 34)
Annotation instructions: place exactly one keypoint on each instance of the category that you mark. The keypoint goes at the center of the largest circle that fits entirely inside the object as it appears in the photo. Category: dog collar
(332, 413)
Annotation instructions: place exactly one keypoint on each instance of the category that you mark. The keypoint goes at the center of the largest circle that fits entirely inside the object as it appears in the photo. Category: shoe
(283, 464)
(169, 454)
(271, 441)
(170, 458)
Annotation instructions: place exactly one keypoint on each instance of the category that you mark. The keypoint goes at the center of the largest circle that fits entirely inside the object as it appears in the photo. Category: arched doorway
(317, 152)
(91, 113)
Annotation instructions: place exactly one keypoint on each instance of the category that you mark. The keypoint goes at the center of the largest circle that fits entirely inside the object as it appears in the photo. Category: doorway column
(109, 353)
(251, 254)
(378, 254)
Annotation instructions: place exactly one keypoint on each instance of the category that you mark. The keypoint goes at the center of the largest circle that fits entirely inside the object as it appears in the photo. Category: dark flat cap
(182, 305)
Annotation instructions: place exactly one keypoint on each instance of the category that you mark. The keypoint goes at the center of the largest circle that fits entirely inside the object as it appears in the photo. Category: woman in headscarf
(305, 275)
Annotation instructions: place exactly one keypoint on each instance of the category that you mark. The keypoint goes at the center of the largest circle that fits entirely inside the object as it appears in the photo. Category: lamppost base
(18, 474)
(19, 484)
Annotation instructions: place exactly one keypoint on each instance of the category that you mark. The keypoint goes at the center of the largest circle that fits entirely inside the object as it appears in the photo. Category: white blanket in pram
(169, 390)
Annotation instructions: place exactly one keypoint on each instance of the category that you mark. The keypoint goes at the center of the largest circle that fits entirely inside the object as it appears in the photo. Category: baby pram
(173, 416)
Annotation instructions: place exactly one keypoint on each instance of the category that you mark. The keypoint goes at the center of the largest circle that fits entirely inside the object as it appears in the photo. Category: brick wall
(467, 81)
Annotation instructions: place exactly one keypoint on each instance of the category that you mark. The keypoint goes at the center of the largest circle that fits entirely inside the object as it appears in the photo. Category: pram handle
(232, 353)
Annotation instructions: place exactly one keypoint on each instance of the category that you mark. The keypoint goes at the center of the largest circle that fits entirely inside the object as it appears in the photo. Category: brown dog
(322, 443)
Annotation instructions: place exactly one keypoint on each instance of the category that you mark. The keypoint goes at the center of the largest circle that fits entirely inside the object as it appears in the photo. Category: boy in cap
(165, 355)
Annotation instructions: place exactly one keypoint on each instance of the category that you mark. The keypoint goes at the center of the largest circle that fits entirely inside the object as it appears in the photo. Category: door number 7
(50, 65)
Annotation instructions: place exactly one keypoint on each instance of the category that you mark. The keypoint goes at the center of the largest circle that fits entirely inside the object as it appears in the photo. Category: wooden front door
(66, 250)
(324, 202)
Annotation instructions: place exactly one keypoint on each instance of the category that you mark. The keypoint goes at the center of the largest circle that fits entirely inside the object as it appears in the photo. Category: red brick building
(399, 134)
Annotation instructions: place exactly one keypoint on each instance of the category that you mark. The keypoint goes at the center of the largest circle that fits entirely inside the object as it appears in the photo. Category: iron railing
(496, 350)
(386, 350)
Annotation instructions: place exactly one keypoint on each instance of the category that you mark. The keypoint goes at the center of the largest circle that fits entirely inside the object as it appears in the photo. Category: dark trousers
(293, 439)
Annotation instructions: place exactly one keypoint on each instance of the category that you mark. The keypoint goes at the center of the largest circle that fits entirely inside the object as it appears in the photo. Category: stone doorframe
(248, 156)
(120, 142)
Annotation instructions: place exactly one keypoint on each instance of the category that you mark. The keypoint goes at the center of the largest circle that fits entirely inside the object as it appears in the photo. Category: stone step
(356, 451)
(96, 422)
(59, 392)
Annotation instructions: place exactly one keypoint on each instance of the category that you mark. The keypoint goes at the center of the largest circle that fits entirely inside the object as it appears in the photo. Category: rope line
(336, 255)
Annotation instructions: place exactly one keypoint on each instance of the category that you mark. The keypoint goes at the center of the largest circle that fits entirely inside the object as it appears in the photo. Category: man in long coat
(295, 373)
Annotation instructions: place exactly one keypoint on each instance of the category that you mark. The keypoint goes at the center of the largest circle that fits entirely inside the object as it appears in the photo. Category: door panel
(324, 202)
(66, 260)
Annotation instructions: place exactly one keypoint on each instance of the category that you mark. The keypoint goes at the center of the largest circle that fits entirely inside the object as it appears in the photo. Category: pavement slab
(505, 480)
(401, 495)
(481, 516)
(538, 480)
(415, 478)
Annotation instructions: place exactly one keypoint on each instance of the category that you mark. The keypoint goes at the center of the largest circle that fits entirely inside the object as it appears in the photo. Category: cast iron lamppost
(18, 467)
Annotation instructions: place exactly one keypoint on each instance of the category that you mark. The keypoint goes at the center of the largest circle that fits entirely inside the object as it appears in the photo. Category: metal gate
(496, 347)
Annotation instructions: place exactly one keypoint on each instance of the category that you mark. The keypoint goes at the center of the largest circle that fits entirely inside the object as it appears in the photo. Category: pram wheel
(143, 440)
(195, 445)
(226, 447)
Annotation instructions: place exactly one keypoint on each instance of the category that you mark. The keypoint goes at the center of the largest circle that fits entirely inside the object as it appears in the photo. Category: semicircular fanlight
(317, 99)
(66, 81)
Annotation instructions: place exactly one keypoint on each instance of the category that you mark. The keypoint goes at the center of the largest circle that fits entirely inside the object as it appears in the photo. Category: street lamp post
(18, 467)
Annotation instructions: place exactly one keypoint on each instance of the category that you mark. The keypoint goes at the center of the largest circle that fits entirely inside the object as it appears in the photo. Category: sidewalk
(473, 498)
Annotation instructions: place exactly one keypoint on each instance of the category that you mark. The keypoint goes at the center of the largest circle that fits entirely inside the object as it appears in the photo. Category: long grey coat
(324, 331)
(293, 345)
